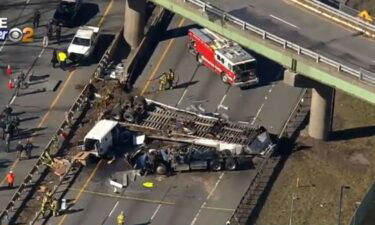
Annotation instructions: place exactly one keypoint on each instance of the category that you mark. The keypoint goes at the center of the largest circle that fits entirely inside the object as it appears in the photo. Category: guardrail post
(243, 25)
(204, 7)
(284, 44)
(339, 67)
(317, 58)
(299, 50)
(264, 35)
(360, 74)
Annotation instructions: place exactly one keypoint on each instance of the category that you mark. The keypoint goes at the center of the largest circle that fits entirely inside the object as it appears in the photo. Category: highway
(42, 112)
(187, 198)
(306, 29)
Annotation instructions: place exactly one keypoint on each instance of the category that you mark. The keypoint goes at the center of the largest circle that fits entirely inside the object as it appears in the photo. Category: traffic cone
(8, 70)
(10, 84)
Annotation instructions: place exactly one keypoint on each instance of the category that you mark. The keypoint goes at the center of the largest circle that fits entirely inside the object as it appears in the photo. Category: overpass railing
(343, 15)
(359, 73)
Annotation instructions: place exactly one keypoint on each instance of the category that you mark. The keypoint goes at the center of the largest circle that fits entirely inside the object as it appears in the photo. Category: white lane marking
(286, 22)
(155, 212)
(41, 52)
(2, 46)
(221, 103)
(113, 209)
(11, 101)
(256, 116)
(208, 197)
(183, 95)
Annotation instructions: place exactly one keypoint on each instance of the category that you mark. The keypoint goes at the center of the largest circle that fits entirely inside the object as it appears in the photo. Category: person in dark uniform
(58, 34)
(19, 149)
(28, 148)
(54, 60)
(36, 18)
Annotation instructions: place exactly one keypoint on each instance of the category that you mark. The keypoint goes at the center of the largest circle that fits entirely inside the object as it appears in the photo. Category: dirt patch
(322, 167)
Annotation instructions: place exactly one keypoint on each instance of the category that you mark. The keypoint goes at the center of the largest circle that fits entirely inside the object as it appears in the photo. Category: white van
(101, 137)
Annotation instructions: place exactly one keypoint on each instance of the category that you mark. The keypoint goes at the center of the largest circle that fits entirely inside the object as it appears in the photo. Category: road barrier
(263, 176)
(365, 208)
(276, 40)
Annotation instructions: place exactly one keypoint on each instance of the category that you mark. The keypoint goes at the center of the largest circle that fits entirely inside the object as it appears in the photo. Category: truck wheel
(230, 164)
(128, 116)
(199, 59)
(215, 165)
(224, 78)
(161, 169)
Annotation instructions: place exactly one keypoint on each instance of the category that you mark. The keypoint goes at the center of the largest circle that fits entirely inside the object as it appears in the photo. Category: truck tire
(140, 104)
(215, 165)
(230, 164)
(128, 116)
(161, 169)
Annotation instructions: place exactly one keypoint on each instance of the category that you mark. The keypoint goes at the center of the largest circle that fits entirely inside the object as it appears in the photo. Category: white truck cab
(83, 43)
(101, 137)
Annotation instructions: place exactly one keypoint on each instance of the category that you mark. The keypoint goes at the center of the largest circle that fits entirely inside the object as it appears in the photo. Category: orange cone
(8, 70)
(10, 84)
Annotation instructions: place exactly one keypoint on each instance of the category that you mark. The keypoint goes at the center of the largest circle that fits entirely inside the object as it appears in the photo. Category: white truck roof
(86, 31)
(101, 128)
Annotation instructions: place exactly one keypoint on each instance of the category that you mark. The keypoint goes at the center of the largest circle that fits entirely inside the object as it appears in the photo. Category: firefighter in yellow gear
(55, 207)
(163, 81)
(62, 59)
(121, 218)
(170, 78)
(45, 205)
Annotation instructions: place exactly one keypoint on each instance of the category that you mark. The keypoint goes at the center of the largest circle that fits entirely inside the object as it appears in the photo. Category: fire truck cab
(226, 58)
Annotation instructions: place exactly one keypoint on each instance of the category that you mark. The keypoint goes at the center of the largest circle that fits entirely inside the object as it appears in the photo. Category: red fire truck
(226, 58)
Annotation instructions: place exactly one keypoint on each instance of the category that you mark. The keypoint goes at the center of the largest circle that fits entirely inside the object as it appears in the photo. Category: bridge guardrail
(369, 78)
(343, 15)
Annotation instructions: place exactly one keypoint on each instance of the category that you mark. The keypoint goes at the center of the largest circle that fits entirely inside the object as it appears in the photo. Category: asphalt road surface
(42, 112)
(305, 28)
(186, 198)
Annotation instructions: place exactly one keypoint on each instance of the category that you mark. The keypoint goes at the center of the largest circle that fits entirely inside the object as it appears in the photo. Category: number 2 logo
(28, 35)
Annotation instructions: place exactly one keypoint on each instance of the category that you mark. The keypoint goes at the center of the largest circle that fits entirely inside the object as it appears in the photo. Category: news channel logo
(15, 34)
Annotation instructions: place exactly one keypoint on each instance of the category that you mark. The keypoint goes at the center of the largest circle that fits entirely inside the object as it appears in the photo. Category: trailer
(174, 139)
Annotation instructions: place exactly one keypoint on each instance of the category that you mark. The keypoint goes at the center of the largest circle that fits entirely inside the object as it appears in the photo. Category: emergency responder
(17, 84)
(121, 218)
(62, 59)
(54, 60)
(7, 111)
(49, 28)
(19, 149)
(28, 148)
(163, 81)
(45, 205)
(10, 179)
(55, 207)
(170, 78)
(22, 79)
(36, 18)
(58, 33)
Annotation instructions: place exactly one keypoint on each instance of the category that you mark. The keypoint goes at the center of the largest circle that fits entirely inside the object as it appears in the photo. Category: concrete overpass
(303, 43)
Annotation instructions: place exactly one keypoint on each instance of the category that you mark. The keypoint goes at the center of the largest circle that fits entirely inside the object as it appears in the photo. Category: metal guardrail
(358, 73)
(52, 146)
(343, 15)
(244, 209)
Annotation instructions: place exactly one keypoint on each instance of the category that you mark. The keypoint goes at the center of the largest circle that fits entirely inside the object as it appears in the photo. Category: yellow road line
(161, 59)
(45, 116)
(125, 197)
(218, 208)
(105, 13)
(82, 189)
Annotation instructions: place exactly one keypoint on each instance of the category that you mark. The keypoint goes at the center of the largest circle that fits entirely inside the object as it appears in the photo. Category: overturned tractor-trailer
(157, 138)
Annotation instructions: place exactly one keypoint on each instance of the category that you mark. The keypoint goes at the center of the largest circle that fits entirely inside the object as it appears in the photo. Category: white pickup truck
(83, 43)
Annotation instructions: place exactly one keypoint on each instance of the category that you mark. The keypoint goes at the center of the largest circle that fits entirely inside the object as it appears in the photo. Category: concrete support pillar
(134, 24)
(321, 112)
